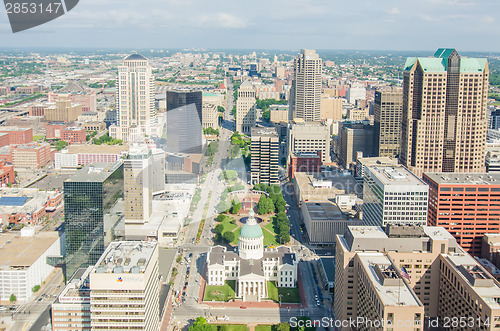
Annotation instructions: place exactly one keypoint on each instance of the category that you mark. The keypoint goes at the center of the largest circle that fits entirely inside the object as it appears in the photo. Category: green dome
(251, 231)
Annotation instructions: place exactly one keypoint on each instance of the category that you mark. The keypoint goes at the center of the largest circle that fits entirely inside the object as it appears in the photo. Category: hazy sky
(468, 25)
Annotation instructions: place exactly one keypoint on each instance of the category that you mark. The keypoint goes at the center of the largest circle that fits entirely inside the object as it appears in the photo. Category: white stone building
(252, 266)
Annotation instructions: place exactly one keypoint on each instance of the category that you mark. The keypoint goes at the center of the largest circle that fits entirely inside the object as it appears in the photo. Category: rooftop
(395, 175)
(95, 172)
(443, 178)
(135, 57)
(323, 210)
(97, 149)
(390, 287)
(19, 252)
(126, 257)
(264, 132)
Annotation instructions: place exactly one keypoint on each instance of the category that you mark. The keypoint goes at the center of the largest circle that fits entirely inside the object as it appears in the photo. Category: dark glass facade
(89, 197)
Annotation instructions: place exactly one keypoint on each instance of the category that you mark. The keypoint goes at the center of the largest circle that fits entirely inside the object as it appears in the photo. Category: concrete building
(490, 248)
(265, 156)
(357, 114)
(393, 195)
(87, 100)
(63, 111)
(305, 98)
(246, 108)
(214, 99)
(252, 266)
(355, 93)
(309, 137)
(466, 205)
(37, 110)
(309, 163)
(354, 137)
(324, 220)
(410, 273)
(134, 99)
(210, 116)
(23, 261)
(17, 135)
(444, 113)
(331, 108)
(381, 161)
(91, 212)
(75, 156)
(71, 311)
(388, 110)
(279, 113)
(125, 287)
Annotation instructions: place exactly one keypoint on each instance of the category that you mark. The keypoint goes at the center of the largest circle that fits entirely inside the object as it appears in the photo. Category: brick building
(18, 135)
(71, 135)
(31, 155)
(465, 204)
(304, 162)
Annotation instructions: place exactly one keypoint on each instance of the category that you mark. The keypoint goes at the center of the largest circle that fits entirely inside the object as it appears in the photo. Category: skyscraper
(89, 197)
(305, 101)
(387, 128)
(184, 121)
(134, 99)
(265, 154)
(138, 184)
(444, 113)
(245, 108)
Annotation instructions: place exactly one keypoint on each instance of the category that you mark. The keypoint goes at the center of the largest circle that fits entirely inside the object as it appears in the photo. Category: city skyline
(285, 25)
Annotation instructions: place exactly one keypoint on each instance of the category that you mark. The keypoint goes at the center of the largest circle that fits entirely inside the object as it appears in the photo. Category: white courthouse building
(252, 266)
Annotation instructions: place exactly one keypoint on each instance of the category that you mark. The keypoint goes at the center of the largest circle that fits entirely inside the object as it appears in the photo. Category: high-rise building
(89, 201)
(465, 204)
(354, 137)
(444, 113)
(184, 121)
(331, 108)
(493, 119)
(265, 156)
(393, 195)
(246, 108)
(355, 93)
(71, 311)
(387, 129)
(305, 97)
(210, 116)
(63, 111)
(138, 184)
(309, 137)
(134, 99)
(125, 287)
(402, 275)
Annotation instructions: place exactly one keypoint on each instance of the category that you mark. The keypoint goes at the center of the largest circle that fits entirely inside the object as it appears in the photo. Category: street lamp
(281, 295)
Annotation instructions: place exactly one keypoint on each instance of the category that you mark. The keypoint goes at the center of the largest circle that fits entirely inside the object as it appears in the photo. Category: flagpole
(399, 291)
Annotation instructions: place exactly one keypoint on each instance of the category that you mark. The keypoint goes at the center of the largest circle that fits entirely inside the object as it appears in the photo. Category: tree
(230, 174)
(266, 115)
(229, 236)
(308, 324)
(12, 298)
(221, 218)
(283, 327)
(35, 288)
(265, 205)
(236, 207)
(219, 228)
(200, 324)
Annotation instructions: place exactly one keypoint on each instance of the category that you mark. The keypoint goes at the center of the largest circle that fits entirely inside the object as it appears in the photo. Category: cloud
(221, 20)
(394, 11)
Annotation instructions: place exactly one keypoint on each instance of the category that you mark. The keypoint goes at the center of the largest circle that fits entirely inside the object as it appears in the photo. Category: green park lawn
(228, 226)
(288, 295)
(36, 138)
(263, 327)
(220, 293)
(229, 327)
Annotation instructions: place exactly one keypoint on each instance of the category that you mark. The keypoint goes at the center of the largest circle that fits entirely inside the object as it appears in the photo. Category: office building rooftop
(396, 175)
(464, 178)
(126, 257)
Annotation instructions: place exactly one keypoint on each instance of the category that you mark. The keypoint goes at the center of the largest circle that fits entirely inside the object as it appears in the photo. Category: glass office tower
(91, 212)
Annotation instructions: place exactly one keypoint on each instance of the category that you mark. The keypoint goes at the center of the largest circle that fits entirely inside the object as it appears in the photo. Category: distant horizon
(467, 25)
